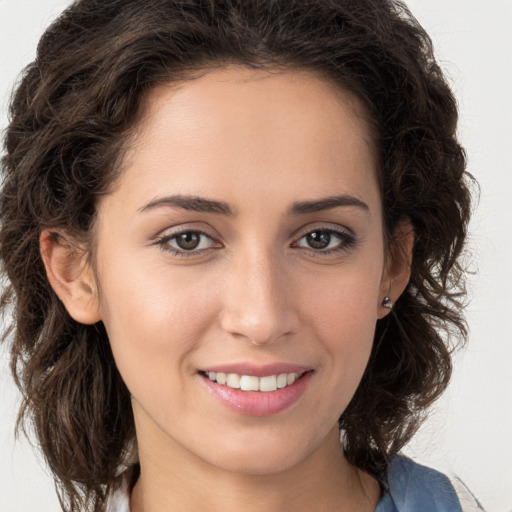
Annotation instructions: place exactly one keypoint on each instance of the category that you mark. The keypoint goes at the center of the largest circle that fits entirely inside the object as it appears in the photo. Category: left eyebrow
(327, 203)
(191, 203)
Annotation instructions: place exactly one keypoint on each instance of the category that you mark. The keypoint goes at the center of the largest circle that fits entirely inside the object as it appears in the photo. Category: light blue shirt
(416, 488)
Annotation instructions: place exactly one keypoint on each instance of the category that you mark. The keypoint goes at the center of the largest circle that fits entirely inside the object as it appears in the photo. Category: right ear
(70, 275)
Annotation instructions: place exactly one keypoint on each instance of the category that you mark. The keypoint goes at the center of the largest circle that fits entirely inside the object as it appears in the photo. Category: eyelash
(163, 242)
(346, 242)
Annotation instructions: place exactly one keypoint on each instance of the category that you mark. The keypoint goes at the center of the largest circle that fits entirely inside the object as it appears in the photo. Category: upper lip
(256, 370)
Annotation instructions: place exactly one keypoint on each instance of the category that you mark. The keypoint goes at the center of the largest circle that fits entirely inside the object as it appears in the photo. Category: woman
(232, 234)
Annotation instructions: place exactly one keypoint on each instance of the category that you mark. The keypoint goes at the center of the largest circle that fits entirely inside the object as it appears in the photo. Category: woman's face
(243, 243)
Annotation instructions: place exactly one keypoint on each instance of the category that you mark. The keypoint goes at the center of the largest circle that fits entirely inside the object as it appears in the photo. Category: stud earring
(387, 303)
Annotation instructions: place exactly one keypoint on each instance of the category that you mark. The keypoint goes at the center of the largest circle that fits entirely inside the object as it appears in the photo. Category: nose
(258, 300)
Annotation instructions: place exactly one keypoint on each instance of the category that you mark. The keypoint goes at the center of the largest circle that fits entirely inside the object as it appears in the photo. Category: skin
(253, 291)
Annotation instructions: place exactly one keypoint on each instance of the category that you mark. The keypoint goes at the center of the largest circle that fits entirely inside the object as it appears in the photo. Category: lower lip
(258, 403)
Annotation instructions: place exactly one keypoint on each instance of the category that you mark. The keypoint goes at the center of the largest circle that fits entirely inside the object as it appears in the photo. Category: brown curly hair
(69, 117)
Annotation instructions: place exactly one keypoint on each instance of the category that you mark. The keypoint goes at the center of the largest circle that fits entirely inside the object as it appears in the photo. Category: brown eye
(188, 241)
(318, 239)
(326, 241)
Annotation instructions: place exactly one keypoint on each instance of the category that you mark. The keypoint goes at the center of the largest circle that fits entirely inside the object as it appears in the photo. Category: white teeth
(249, 383)
(233, 380)
(291, 378)
(252, 383)
(268, 383)
(282, 380)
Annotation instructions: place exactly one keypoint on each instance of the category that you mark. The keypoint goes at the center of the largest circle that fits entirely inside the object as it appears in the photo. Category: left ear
(397, 270)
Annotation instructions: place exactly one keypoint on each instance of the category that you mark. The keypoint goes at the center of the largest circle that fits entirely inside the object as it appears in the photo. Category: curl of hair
(69, 117)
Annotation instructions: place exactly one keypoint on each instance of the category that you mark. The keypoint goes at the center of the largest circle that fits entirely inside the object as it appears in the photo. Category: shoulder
(415, 487)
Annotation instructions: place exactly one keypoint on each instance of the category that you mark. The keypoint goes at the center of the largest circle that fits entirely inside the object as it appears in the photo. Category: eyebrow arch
(191, 203)
(326, 204)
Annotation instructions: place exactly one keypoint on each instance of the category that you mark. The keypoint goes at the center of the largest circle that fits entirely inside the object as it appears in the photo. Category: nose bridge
(258, 304)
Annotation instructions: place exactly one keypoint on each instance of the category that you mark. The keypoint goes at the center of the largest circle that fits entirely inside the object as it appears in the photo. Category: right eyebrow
(327, 203)
(190, 203)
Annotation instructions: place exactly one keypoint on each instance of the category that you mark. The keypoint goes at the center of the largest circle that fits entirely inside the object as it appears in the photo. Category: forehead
(251, 127)
(239, 95)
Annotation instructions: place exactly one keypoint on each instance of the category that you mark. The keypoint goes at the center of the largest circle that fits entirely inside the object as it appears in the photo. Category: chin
(264, 458)
(261, 465)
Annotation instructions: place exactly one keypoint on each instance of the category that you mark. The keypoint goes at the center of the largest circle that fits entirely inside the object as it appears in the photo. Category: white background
(470, 430)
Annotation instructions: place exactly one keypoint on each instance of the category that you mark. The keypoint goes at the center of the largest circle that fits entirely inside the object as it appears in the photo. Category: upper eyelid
(344, 236)
(164, 236)
(320, 226)
(183, 228)
(163, 244)
(174, 234)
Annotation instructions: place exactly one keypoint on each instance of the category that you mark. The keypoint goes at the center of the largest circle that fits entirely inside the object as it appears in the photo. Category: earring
(387, 303)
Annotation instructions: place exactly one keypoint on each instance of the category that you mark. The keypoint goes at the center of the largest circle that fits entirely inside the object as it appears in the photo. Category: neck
(177, 480)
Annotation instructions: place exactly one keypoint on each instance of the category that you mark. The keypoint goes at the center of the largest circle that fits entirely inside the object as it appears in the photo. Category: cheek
(346, 298)
(347, 333)
(142, 294)
(343, 312)
(154, 321)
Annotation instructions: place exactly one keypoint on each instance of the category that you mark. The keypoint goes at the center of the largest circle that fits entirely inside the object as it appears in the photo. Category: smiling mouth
(263, 394)
(253, 383)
